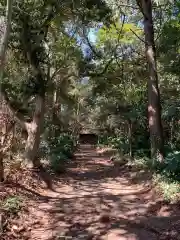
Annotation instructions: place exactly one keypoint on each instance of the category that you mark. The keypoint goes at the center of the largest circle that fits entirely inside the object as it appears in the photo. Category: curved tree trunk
(34, 130)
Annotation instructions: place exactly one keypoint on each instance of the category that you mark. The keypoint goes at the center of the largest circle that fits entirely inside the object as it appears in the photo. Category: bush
(165, 175)
(171, 166)
(64, 144)
(140, 144)
(103, 140)
(169, 189)
(60, 150)
(117, 142)
(58, 163)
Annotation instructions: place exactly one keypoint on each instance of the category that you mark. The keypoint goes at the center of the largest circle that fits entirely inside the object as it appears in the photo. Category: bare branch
(113, 52)
(90, 45)
(139, 3)
(128, 6)
(137, 8)
(142, 40)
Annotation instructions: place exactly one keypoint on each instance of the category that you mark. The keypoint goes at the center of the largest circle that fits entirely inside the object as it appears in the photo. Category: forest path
(95, 200)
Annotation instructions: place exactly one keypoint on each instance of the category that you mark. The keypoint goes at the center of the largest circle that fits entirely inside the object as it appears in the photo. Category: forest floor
(96, 200)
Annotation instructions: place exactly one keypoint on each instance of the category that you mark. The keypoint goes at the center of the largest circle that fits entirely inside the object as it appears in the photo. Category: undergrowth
(165, 175)
(12, 205)
(170, 189)
(60, 151)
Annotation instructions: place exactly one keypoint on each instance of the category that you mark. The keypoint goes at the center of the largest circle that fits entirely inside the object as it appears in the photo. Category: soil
(95, 200)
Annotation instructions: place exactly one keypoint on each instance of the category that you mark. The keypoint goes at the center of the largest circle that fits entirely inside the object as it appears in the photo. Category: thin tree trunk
(34, 130)
(4, 44)
(56, 108)
(1, 167)
(130, 137)
(172, 124)
(54, 114)
(154, 106)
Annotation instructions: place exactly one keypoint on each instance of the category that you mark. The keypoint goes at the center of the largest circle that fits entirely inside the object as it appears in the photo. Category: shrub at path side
(61, 150)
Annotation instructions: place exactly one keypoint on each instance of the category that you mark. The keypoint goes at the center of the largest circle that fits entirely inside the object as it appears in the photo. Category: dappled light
(98, 201)
(89, 120)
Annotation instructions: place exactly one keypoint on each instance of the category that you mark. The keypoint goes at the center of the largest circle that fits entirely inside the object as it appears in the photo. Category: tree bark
(4, 44)
(1, 167)
(34, 130)
(154, 106)
(172, 131)
(130, 137)
(56, 108)
(5, 38)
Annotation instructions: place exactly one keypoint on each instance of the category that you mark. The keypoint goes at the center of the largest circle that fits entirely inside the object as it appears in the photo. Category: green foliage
(170, 168)
(119, 142)
(63, 143)
(170, 45)
(119, 32)
(140, 143)
(46, 35)
(12, 204)
(165, 175)
(170, 189)
(58, 162)
(61, 150)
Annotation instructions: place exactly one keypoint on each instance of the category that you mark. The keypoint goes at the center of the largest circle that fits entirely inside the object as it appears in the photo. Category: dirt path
(98, 201)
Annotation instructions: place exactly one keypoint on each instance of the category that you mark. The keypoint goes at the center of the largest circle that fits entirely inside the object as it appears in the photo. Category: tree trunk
(56, 108)
(130, 137)
(34, 130)
(1, 167)
(4, 44)
(172, 131)
(154, 106)
(5, 38)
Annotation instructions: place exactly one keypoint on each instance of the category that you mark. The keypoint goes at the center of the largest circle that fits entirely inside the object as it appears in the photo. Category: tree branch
(113, 52)
(56, 72)
(128, 6)
(103, 71)
(139, 3)
(142, 40)
(90, 45)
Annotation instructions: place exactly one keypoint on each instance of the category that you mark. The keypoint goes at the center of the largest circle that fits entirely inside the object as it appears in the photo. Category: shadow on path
(96, 200)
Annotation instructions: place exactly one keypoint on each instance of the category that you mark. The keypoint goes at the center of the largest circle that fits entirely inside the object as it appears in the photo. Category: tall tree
(4, 117)
(31, 40)
(154, 105)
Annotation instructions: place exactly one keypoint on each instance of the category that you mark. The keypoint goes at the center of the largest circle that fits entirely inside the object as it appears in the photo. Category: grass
(12, 204)
(166, 185)
(170, 189)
